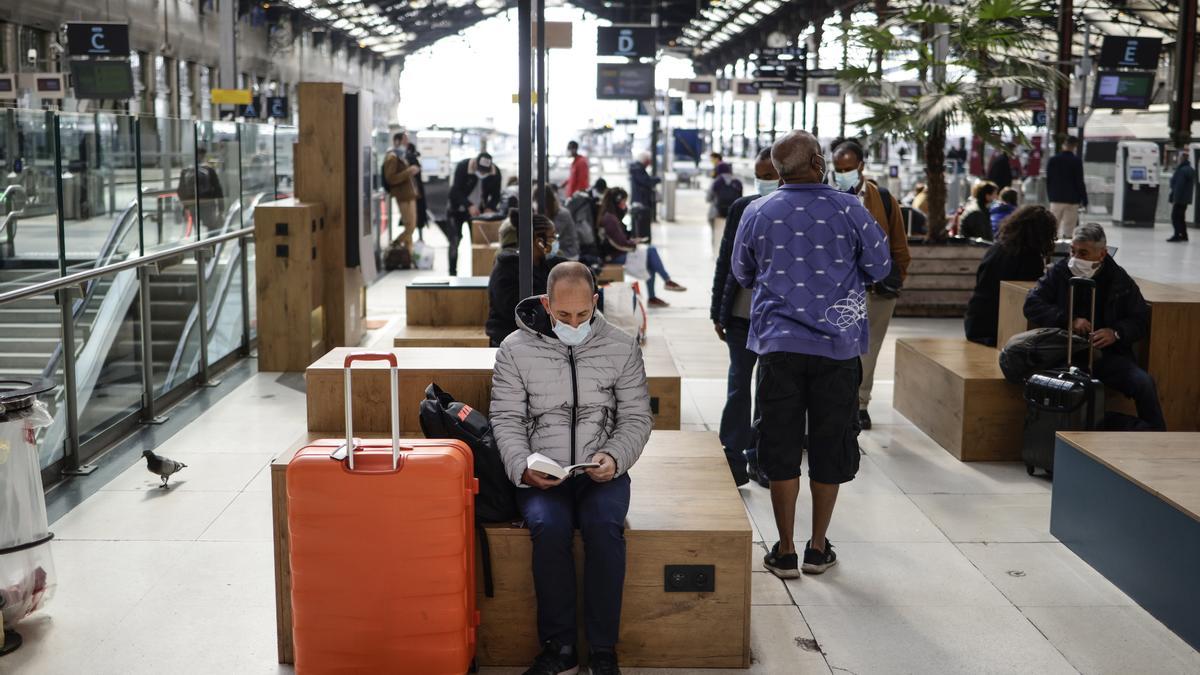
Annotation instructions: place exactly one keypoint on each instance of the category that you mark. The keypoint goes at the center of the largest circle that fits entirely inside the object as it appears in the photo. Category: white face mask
(572, 336)
(846, 180)
(765, 187)
(1082, 268)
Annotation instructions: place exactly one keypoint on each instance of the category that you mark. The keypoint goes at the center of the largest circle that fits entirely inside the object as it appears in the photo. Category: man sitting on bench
(1122, 317)
(571, 387)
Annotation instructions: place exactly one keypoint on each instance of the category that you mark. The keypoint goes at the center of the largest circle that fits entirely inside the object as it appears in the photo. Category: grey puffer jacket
(568, 403)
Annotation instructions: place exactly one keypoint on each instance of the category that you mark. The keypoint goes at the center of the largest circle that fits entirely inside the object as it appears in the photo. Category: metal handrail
(70, 280)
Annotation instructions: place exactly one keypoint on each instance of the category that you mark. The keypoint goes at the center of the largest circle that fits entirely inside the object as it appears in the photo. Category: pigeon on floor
(163, 467)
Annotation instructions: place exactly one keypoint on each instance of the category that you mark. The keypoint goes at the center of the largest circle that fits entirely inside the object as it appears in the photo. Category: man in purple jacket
(807, 251)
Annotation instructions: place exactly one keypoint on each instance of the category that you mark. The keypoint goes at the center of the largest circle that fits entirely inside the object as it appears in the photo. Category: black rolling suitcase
(1061, 399)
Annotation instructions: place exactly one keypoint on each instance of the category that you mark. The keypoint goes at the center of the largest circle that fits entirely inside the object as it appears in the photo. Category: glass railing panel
(225, 303)
(108, 362)
(28, 200)
(258, 165)
(98, 182)
(218, 178)
(172, 301)
(168, 179)
(285, 164)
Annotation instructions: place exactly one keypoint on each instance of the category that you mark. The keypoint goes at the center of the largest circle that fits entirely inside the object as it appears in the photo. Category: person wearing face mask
(617, 243)
(474, 192)
(975, 221)
(807, 252)
(730, 314)
(572, 387)
(848, 164)
(1122, 317)
(505, 281)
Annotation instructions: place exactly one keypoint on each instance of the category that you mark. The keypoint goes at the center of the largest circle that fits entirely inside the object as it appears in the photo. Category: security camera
(31, 55)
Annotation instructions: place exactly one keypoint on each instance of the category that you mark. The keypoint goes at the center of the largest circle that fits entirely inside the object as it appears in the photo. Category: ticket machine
(1135, 191)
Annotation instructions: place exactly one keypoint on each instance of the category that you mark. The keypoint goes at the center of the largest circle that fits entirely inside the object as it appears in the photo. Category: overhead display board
(745, 90)
(644, 107)
(277, 107)
(97, 38)
(102, 80)
(624, 81)
(1120, 51)
(1130, 90)
(8, 87)
(630, 41)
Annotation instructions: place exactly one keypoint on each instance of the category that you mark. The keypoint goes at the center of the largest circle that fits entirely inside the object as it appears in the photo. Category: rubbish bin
(27, 577)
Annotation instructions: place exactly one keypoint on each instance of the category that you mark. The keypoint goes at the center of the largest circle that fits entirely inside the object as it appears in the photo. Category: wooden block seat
(954, 391)
(1129, 505)
(940, 278)
(695, 518)
(441, 336)
(483, 258)
(611, 273)
(464, 372)
(485, 231)
(447, 301)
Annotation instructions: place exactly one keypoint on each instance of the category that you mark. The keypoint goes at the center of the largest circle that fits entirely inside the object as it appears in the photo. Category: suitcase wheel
(1029, 469)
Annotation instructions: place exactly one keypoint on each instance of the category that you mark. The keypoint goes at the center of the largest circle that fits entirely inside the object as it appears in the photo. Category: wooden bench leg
(283, 566)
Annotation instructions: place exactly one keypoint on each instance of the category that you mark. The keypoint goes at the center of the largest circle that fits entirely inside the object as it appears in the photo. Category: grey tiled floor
(945, 567)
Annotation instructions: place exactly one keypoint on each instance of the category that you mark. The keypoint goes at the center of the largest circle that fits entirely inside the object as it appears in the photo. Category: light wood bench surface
(684, 509)
(1164, 464)
(441, 336)
(447, 301)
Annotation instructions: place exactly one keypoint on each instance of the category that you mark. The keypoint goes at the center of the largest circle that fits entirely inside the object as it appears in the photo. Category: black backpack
(1037, 349)
(727, 192)
(444, 417)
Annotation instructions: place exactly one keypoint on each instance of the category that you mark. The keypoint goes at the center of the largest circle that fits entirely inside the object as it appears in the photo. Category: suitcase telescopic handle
(393, 402)
(1071, 285)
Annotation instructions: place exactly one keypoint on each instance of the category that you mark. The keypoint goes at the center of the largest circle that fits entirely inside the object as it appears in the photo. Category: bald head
(570, 294)
(570, 274)
(798, 159)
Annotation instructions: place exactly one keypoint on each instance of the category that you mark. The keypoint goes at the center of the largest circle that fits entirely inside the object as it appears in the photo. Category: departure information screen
(1123, 90)
(108, 80)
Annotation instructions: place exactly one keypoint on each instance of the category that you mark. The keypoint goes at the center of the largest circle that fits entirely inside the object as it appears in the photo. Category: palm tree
(992, 45)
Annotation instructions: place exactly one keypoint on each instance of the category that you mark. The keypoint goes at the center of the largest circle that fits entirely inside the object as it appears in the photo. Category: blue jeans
(737, 431)
(598, 510)
(654, 265)
(1121, 373)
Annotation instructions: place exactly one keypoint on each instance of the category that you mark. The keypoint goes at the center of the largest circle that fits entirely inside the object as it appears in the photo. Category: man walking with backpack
(200, 193)
(725, 190)
(399, 179)
(848, 164)
(641, 195)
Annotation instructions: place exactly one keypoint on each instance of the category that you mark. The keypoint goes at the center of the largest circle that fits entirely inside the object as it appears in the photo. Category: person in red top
(577, 179)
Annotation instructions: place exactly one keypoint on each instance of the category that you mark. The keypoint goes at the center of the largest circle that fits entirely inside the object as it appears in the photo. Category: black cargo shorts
(796, 392)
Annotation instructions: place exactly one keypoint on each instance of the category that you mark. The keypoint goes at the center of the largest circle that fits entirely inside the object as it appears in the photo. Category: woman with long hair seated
(1023, 244)
(618, 244)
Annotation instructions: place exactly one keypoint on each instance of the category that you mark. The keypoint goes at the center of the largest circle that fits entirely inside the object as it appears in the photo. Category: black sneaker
(752, 469)
(555, 659)
(604, 662)
(737, 467)
(816, 562)
(864, 419)
(782, 566)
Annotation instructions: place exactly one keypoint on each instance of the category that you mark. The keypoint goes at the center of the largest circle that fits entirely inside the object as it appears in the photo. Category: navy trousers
(1121, 373)
(737, 430)
(598, 510)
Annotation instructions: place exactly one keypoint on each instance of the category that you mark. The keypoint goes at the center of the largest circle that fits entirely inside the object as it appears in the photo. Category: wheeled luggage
(382, 553)
(1061, 399)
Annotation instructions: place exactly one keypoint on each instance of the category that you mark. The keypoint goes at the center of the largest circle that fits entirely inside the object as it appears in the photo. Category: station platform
(944, 566)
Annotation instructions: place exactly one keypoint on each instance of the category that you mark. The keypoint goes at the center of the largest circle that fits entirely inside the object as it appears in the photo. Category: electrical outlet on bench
(689, 578)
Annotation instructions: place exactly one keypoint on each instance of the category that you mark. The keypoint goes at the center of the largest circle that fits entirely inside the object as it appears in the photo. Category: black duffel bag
(1039, 349)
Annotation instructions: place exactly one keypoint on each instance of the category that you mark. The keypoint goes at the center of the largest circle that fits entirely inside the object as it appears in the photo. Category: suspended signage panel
(102, 80)
(231, 96)
(630, 41)
(622, 81)
(745, 90)
(558, 35)
(1120, 51)
(252, 110)
(98, 38)
(277, 107)
(8, 87)
(1123, 90)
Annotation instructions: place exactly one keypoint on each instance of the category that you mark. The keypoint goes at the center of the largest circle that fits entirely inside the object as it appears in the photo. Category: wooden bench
(1129, 505)
(464, 372)
(485, 231)
(441, 336)
(1174, 322)
(483, 258)
(447, 301)
(940, 278)
(611, 274)
(953, 390)
(695, 517)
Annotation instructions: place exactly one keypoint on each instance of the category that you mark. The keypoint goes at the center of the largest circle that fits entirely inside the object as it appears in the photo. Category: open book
(543, 464)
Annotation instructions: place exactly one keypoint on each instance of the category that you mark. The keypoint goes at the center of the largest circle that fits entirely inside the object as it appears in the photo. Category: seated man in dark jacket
(1122, 317)
(504, 285)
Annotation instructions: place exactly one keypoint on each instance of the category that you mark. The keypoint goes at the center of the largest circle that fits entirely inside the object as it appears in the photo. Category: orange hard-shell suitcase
(382, 551)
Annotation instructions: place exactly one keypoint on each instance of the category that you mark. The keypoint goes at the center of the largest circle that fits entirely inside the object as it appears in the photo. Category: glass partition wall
(82, 192)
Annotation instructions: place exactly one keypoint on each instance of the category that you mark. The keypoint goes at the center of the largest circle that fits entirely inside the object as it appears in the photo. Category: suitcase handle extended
(393, 402)
(1071, 284)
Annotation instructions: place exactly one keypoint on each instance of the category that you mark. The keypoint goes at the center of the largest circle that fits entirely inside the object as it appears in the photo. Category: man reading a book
(569, 398)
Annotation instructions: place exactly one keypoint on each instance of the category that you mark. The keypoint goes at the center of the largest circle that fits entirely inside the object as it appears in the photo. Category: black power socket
(689, 578)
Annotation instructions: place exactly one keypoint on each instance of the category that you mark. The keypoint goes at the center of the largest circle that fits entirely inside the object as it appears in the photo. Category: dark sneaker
(657, 302)
(752, 468)
(782, 566)
(604, 662)
(737, 467)
(864, 419)
(816, 562)
(672, 286)
(555, 659)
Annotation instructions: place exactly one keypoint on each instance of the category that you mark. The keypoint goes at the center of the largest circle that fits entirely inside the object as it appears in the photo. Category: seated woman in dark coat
(1023, 243)
(504, 285)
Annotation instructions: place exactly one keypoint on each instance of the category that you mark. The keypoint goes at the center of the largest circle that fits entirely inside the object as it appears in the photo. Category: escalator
(107, 326)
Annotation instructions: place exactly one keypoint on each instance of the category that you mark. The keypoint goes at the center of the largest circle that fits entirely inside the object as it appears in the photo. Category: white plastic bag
(422, 255)
(635, 264)
(27, 577)
(624, 309)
